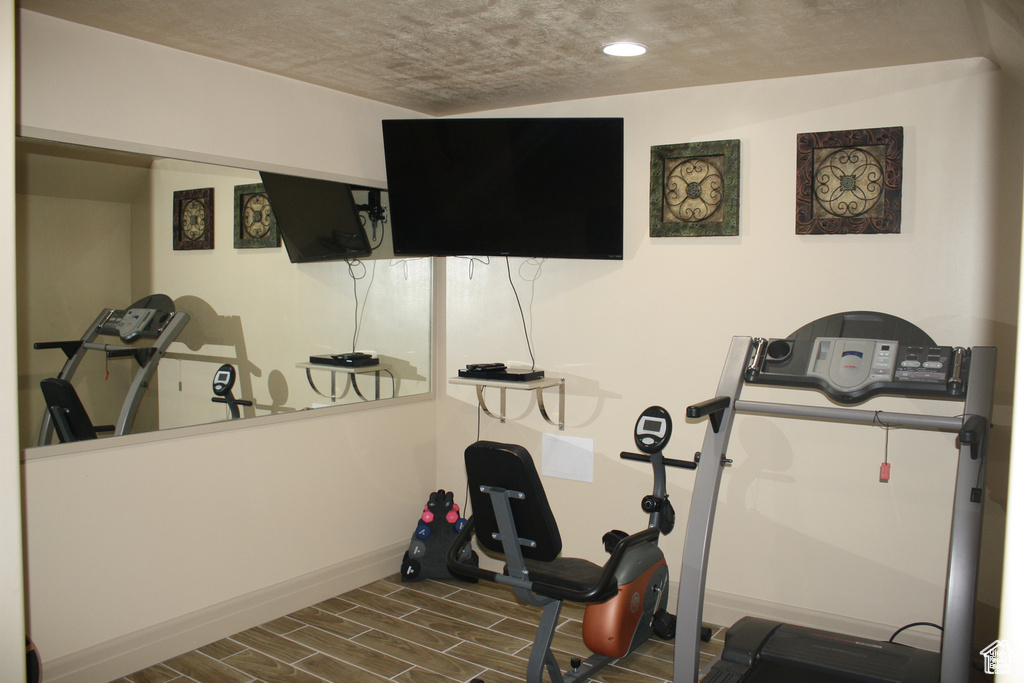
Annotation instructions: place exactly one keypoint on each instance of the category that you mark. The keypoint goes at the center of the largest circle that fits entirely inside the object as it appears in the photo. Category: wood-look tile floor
(421, 632)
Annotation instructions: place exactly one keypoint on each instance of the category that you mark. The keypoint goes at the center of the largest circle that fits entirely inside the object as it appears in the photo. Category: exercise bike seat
(503, 482)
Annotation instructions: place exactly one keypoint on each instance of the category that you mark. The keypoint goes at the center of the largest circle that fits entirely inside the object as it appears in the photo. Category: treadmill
(145, 330)
(851, 357)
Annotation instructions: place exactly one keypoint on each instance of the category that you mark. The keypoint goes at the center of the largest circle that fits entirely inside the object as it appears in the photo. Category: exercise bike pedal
(612, 538)
(664, 625)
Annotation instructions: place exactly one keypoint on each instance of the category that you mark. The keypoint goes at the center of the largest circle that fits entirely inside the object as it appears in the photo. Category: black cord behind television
(544, 187)
(318, 219)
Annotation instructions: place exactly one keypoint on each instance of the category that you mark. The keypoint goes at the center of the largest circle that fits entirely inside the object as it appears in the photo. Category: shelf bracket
(334, 396)
(561, 405)
(537, 386)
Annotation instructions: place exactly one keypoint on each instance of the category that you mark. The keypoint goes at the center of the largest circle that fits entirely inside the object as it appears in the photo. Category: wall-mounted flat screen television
(545, 187)
(318, 219)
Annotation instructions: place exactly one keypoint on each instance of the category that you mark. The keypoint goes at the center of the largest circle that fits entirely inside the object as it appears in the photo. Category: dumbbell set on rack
(435, 531)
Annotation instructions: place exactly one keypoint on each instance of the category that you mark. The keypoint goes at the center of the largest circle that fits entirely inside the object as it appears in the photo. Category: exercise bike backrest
(488, 462)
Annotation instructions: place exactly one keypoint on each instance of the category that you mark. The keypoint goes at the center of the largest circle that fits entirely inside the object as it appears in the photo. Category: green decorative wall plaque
(695, 189)
(255, 225)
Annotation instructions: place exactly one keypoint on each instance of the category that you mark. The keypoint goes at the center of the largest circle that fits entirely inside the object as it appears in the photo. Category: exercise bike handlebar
(670, 462)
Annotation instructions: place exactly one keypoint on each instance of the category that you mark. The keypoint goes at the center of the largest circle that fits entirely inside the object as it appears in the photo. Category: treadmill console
(145, 318)
(133, 323)
(852, 357)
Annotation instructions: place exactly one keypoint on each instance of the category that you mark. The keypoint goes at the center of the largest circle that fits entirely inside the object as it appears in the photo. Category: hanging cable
(404, 262)
(366, 295)
(916, 623)
(522, 315)
(531, 277)
(356, 314)
(473, 260)
(465, 502)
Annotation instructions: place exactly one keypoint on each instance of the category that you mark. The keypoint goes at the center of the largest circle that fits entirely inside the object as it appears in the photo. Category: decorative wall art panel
(255, 225)
(193, 219)
(849, 182)
(695, 189)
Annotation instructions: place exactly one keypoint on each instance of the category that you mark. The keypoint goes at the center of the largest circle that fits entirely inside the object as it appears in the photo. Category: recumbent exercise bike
(626, 597)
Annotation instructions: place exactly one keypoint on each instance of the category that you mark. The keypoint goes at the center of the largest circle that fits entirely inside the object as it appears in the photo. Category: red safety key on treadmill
(883, 474)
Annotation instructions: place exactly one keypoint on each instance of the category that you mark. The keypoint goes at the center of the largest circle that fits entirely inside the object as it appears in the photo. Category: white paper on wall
(568, 457)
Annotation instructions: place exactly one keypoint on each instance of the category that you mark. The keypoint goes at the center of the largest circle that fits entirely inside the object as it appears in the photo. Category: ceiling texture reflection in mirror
(158, 293)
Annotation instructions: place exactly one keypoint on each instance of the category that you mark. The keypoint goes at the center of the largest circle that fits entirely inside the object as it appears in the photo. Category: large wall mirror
(96, 230)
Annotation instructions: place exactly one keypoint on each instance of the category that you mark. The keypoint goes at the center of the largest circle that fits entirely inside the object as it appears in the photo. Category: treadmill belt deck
(758, 650)
(790, 673)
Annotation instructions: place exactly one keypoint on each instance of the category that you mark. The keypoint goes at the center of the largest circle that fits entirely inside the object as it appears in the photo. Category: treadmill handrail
(854, 415)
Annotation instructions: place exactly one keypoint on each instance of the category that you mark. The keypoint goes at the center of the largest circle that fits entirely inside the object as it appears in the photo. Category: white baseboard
(134, 651)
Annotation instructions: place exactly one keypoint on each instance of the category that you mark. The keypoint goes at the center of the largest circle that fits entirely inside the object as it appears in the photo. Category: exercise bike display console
(653, 429)
(224, 380)
(850, 357)
(223, 383)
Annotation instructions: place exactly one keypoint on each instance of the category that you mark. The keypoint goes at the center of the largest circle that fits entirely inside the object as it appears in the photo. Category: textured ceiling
(455, 56)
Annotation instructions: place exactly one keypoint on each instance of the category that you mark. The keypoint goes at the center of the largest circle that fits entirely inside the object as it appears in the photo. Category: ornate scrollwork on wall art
(849, 182)
(695, 189)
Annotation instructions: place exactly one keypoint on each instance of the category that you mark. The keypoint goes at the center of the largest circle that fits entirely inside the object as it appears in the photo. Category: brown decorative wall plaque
(193, 219)
(849, 182)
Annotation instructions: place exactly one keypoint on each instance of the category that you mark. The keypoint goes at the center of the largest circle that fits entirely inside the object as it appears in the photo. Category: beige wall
(654, 329)
(178, 539)
(135, 537)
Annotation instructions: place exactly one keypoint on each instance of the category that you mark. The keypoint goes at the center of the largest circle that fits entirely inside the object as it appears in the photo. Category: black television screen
(318, 219)
(546, 187)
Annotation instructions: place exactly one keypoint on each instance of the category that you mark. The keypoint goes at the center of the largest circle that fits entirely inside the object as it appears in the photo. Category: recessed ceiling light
(624, 49)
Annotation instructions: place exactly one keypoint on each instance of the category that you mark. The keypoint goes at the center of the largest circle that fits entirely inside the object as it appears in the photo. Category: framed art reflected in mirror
(193, 219)
(255, 225)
